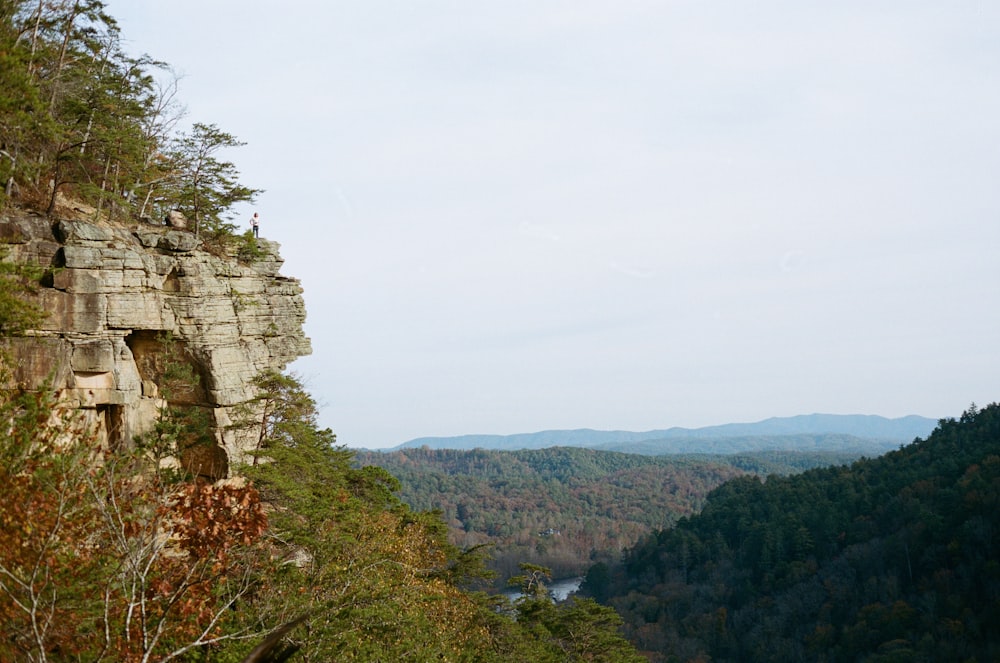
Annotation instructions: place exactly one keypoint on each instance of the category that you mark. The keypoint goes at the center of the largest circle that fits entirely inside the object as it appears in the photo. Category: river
(559, 589)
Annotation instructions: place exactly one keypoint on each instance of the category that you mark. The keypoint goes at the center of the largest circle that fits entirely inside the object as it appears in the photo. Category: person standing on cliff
(255, 224)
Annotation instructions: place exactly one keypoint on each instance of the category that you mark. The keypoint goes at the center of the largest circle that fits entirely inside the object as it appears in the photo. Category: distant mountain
(812, 432)
(741, 444)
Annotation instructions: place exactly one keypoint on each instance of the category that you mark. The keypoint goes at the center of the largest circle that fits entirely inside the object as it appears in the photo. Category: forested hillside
(890, 559)
(566, 508)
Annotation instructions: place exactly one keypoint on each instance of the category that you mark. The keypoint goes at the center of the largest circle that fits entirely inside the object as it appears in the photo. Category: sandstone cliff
(114, 293)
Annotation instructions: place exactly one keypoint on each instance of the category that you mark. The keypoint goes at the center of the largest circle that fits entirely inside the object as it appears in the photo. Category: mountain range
(812, 432)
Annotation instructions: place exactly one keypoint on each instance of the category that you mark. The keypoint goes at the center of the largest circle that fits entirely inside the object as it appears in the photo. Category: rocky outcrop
(126, 305)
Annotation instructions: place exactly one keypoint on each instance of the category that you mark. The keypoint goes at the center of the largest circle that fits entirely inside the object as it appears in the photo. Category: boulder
(170, 240)
(81, 231)
(175, 219)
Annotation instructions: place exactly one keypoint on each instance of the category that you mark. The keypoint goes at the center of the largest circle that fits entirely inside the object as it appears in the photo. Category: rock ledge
(115, 294)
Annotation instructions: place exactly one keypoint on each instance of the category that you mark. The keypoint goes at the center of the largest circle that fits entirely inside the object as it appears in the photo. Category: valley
(566, 508)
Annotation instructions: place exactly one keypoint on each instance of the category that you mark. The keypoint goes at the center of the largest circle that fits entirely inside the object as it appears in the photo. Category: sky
(519, 216)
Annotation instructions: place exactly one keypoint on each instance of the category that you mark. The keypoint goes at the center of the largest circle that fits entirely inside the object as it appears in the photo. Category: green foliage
(373, 574)
(22, 118)
(17, 282)
(378, 580)
(80, 118)
(207, 186)
(531, 581)
(248, 250)
(888, 559)
(577, 630)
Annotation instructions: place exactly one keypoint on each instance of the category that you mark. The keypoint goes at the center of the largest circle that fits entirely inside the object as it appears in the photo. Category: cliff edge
(120, 299)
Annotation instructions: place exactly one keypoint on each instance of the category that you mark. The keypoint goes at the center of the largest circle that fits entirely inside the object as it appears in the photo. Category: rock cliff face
(127, 305)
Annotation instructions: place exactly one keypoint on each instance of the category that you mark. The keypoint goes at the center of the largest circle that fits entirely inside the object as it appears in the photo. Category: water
(559, 589)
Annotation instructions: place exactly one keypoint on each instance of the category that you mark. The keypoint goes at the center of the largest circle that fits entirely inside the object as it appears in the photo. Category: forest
(888, 559)
(566, 508)
(84, 124)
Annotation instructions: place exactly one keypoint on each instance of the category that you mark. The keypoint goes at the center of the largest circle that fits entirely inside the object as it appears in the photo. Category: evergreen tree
(207, 186)
(81, 119)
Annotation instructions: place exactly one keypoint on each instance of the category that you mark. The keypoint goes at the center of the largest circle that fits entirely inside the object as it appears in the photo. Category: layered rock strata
(124, 304)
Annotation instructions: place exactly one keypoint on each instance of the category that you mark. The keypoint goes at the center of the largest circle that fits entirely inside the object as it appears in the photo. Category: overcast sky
(512, 216)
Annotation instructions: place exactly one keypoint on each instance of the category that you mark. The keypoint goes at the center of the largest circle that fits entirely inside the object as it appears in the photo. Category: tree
(24, 120)
(177, 556)
(371, 574)
(80, 118)
(115, 553)
(577, 630)
(163, 113)
(207, 187)
(71, 42)
(41, 492)
(531, 581)
(114, 149)
(279, 411)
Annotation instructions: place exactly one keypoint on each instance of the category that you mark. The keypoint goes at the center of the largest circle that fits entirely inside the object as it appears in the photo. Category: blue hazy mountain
(812, 432)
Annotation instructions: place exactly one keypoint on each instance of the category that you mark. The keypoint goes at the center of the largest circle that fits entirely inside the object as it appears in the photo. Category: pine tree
(207, 186)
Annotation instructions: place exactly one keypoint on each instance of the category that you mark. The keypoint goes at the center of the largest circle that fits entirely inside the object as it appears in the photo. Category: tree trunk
(70, 21)
(34, 43)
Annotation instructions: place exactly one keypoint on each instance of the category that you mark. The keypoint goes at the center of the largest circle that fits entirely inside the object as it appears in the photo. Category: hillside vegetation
(566, 508)
(87, 128)
(889, 559)
(116, 554)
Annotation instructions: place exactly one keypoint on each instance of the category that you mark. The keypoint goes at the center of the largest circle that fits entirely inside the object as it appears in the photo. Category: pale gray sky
(515, 216)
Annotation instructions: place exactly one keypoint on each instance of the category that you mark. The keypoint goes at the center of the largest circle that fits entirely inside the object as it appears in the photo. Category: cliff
(120, 299)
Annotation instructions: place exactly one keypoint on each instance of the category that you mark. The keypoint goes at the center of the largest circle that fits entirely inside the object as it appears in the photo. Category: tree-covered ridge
(83, 120)
(888, 559)
(566, 507)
